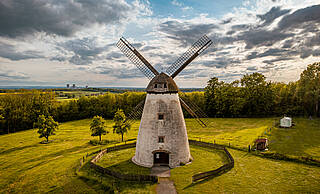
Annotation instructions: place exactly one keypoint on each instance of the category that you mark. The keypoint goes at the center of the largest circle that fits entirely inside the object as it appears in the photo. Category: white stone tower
(162, 138)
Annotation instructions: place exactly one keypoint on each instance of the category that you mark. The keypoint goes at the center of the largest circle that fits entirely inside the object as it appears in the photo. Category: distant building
(286, 122)
(261, 144)
(68, 85)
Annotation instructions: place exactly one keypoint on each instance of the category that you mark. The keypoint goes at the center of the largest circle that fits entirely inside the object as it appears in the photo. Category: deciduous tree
(97, 127)
(120, 127)
(46, 126)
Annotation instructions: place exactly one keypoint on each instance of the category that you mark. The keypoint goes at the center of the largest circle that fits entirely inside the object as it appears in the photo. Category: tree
(309, 88)
(97, 127)
(258, 94)
(120, 127)
(46, 126)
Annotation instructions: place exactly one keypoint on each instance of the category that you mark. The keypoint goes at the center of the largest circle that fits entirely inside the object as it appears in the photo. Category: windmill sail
(135, 114)
(196, 49)
(136, 58)
(195, 112)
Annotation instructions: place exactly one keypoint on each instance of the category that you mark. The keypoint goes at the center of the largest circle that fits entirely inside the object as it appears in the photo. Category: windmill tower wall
(162, 120)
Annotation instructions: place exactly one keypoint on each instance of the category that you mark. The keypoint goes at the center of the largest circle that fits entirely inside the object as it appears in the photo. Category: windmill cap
(162, 83)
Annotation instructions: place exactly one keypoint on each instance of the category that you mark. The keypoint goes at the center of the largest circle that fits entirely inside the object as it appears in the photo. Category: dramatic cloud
(10, 52)
(185, 33)
(301, 18)
(22, 17)
(81, 51)
(273, 14)
(76, 39)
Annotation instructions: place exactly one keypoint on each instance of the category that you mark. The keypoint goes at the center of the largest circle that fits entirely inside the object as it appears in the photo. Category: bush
(97, 142)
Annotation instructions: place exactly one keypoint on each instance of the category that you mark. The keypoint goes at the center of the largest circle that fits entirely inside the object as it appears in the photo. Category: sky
(56, 42)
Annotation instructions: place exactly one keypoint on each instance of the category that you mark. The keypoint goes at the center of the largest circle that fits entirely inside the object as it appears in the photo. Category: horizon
(277, 38)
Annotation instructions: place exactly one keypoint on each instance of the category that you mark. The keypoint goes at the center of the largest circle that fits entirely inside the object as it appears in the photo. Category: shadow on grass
(207, 179)
(18, 148)
(100, 181)
(128, 167)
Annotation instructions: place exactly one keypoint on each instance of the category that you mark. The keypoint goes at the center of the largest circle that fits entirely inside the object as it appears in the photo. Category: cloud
(252, 68)
(8, 74)
(273, 14)
(300, 18)
(80, 51)
(23, 17)
(176, 3)
(185, 32)
(10, 52)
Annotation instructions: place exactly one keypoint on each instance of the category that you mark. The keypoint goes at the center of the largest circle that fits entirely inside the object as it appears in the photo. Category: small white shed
(286, 122)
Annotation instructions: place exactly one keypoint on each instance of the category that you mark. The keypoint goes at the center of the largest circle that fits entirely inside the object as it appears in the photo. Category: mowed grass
(120, 161)
(251, 174)
(26, 166)
(239, 132)
(303, 139)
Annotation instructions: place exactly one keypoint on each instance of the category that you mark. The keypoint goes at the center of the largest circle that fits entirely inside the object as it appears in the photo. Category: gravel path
(165, 185)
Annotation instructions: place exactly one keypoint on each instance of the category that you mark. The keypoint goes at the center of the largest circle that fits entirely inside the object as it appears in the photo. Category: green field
(303, 139)
(239, 132)
(30, 167)
(24, 162)
(252, 174)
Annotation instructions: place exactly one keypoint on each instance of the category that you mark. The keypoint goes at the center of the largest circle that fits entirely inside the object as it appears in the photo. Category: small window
(160, 116)
(155, 85)
(161, 139)
(165, 85)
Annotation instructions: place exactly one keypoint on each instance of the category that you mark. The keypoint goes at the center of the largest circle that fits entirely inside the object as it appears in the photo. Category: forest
(250, 96)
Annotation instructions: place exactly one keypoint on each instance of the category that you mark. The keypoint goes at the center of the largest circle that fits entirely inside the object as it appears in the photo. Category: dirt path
(165, 185)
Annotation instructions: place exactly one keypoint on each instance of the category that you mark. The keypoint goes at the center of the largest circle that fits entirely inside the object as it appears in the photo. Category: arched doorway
(160, 158)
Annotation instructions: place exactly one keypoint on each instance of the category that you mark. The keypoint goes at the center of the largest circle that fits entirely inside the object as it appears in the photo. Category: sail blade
(135, 114)
(195, 112)
(137, 59)
(195, 50)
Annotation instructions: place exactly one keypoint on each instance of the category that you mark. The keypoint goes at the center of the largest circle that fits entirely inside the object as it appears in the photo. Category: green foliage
(21, 110)
(309, 89)
(96, 142)
(97, 127)
(46, 126)
(120, 127)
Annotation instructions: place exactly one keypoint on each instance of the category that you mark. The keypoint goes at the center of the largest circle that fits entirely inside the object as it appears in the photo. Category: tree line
(250, 96)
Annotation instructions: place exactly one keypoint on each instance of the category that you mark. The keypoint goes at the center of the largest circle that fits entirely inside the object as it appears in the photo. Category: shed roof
(264, 140)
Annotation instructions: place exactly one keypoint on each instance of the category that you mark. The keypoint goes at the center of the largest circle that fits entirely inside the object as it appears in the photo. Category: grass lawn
(239, 132)
(251, 174)
(303, 139)
(26, 166)
(120, 161)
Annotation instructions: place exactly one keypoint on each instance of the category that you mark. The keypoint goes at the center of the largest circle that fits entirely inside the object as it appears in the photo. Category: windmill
(162, 137)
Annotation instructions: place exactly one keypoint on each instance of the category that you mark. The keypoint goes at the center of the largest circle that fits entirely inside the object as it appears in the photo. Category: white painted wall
(172, 127)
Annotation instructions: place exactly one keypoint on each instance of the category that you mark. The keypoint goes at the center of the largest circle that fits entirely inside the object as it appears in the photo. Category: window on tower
(155, 85)
(160, 116)
(165, 85)
(161, 139)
